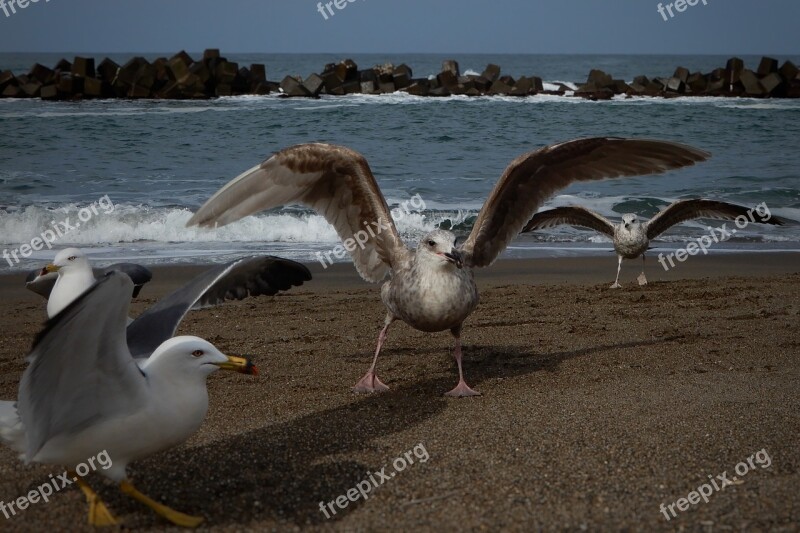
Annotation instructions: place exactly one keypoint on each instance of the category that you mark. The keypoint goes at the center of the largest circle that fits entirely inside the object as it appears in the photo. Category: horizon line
(598, 54)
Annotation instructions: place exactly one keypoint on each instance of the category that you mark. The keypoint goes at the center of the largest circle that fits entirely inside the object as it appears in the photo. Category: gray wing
(336, 182)
(684, 210)
(42, 282)
(534, 177)
(139, 275)
(573, 216)
(253, 276)
(80, 368)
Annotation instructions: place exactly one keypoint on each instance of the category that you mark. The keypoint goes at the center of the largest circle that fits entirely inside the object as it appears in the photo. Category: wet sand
(598, 405)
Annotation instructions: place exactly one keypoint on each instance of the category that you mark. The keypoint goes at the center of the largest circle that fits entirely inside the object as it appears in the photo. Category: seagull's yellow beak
(51, 268)
(238, 364)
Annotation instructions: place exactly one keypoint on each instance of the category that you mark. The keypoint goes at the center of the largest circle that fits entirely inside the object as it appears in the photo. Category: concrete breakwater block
(213, 75)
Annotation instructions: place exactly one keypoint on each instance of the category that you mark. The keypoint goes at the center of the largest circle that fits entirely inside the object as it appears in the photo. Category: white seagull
(75, 276)
(631, 237)
(250, 276)
(431, 289)
(70, 270)
(83, 394)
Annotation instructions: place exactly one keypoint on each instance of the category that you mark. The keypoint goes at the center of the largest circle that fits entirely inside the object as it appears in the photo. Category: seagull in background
(72, 266)
(75, 276)
(431, 288)
(631, 237)
(84, 395)
(264, 275)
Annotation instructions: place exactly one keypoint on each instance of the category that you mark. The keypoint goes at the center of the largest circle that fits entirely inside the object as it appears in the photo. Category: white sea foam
(123, 108)
(131, 224)
(136, 224)
(555, 85)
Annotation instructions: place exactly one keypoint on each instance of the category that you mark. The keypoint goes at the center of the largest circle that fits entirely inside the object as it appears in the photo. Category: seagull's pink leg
(462, 389)
(642, 278)
(616, 284)
(370, 381)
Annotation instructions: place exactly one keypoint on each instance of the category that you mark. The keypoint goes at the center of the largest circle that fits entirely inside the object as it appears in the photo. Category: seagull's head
(439, 248)
(189, 355)
(67, 261)
(630, 221)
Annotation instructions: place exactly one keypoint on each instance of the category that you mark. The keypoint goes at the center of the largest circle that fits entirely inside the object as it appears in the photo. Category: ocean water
(146, 165)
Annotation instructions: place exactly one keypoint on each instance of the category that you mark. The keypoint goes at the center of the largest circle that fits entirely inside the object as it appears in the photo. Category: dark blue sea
(157, 161)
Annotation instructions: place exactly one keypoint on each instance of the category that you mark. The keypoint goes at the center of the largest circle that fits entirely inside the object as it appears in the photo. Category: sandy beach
(598, 405)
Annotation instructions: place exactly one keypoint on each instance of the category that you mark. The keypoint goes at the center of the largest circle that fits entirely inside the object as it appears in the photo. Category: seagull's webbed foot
(642, 279)
(99, 515)
(462, 390)
(370, 383)
(177, 518)
(616, 285)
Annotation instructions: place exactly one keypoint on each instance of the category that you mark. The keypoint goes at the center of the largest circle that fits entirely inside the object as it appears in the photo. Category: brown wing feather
(334, 181)
(684, 210)
(534, 177)
(573, 216)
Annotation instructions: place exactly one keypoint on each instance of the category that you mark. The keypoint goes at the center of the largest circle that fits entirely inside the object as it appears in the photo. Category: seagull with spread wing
(254, 276)
(83, 394)
(431, 289)
(632, 238)
(70, 274)
(264, 275)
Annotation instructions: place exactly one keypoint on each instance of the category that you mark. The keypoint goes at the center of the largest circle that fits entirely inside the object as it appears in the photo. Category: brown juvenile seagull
(632, 238)
(431, 289)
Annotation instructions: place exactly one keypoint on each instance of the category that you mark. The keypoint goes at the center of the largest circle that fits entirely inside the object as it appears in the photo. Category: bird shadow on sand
(510, 361)
(282, 472)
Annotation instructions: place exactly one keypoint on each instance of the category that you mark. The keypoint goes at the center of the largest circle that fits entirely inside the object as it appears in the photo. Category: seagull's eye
(71, 258)
(198, 353)
(431, 243)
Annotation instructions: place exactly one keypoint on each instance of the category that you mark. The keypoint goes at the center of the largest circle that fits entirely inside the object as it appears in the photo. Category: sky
(403, 26)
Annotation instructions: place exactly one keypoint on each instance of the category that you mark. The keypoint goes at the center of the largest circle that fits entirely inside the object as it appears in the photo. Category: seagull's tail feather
(12, 432)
